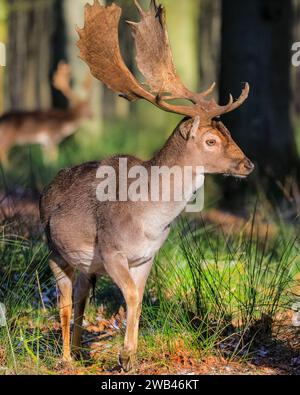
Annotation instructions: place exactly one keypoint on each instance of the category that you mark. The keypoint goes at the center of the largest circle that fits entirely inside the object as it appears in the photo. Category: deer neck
(176, 154)
(76, 113)
(172, 153)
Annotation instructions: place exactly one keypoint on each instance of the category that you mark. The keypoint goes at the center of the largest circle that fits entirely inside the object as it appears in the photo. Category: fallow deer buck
(121, 238)
(50, 127)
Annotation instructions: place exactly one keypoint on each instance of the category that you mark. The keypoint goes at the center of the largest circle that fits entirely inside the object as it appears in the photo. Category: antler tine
(62, 82)
(232, 105)
(100, 49)
(209, 90)
(138, 6)
(155, 61)
(153, 53)
(61, 74)
(208, 109)
(241, 99)
(217, 110)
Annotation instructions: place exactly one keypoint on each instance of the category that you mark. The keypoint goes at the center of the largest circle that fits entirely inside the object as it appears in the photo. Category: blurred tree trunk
(114, 106)
(209, 41)
(3, 38)
(296, 70)
(59, 50)
(256, 47)
(108, 97)
(74, 16)
(30, 27)
(182, 21)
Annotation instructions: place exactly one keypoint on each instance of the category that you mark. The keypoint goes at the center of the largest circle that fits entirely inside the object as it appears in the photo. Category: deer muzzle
(245, 168)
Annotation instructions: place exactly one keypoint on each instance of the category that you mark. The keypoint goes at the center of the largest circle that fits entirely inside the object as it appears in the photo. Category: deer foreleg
(118, 269)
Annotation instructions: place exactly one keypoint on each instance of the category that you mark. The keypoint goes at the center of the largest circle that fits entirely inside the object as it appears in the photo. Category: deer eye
(211, 143)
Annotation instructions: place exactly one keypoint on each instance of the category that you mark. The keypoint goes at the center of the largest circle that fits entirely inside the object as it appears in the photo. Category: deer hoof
(65, 364)
(127, 360)
(67, 359)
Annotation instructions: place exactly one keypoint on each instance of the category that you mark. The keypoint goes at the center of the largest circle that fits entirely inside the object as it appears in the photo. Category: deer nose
(248, 165)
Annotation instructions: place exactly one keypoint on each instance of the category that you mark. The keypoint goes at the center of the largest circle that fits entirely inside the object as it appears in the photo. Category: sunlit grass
(215, 287)
(208, 293)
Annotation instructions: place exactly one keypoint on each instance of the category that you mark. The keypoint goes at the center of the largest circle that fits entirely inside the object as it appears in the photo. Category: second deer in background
(47, 128)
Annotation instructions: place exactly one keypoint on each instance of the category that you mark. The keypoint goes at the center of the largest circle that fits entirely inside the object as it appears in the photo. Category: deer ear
(189, 129)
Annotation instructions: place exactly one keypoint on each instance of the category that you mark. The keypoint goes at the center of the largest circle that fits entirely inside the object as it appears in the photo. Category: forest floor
(278, 354)
(102, 339)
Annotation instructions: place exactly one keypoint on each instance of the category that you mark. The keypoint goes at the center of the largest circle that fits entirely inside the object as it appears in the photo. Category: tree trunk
(59, 50)
(74, 16)
(256, 47)
(114, 106)
(209, 41)
(3, 38)
(30, 27)
(296, 70)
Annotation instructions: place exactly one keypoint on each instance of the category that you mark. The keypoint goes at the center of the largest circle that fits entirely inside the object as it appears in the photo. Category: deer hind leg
(81, 293)
(117, 268)
(64, 275)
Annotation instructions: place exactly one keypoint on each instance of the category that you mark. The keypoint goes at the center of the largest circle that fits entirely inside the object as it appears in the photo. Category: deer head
(62, 82)
(206, 136)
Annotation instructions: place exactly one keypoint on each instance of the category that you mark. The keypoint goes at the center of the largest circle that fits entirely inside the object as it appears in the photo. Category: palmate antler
(99, 48)
(62, 82)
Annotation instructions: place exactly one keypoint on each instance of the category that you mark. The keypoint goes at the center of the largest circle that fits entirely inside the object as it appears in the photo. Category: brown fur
(121, 238)
(47, 128)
